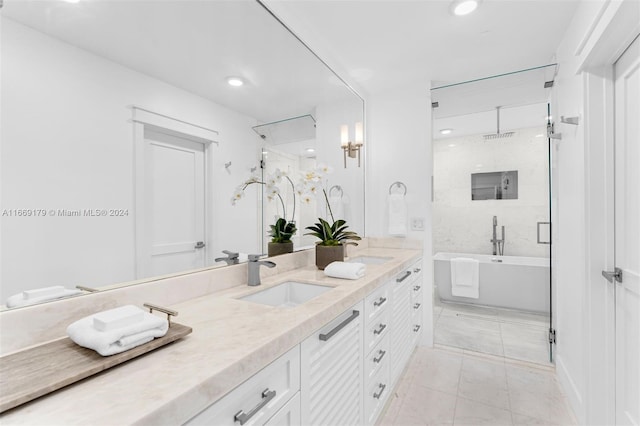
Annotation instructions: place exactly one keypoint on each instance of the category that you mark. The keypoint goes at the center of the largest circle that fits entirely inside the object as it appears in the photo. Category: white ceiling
(393, 44)
(195, 45)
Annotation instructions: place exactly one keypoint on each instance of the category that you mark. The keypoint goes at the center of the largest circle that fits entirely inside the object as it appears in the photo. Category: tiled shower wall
(461, 225)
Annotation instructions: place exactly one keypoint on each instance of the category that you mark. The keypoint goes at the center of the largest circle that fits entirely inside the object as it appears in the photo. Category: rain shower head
(497, 134)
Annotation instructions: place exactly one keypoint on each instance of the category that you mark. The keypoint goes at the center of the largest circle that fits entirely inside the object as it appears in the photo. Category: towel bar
(399, 185)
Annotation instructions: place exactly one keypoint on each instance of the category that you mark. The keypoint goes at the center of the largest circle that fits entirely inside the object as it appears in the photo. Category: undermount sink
(370, 260)
(287, 295)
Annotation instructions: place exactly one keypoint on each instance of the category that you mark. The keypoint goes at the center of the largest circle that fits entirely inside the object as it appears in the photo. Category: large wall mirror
(123, 141)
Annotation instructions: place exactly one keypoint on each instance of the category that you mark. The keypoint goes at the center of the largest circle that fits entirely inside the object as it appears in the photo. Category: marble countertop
(231, 341)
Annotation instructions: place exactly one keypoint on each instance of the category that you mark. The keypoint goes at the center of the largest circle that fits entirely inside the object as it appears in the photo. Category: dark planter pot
(327, 254)
(275, 249)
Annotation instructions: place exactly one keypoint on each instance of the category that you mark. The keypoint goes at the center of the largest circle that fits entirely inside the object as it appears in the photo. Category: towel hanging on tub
(465, 277)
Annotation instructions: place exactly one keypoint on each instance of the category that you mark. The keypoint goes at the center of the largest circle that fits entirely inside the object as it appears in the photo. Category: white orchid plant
(330, 234)
(283, 229)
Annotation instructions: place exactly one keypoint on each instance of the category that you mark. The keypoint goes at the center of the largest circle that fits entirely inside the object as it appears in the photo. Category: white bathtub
(505, 281)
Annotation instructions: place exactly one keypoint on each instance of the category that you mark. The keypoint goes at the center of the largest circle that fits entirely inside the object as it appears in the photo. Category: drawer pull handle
(377, 395)
(381, 329)
(243, 417)
(343, 324)
(404, 277)
(381, 355)
(380, 301)
(417, 270)
(416, 328)
(417, 288)
(416, 306)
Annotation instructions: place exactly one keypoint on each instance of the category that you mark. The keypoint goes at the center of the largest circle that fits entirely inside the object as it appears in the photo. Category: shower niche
(494, 185)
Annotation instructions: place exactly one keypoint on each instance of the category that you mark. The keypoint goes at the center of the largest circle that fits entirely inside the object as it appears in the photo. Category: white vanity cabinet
(263, 399)
(331, 362)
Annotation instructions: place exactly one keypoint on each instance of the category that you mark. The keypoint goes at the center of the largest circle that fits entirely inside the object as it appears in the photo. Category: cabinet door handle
(343, 324)
(380, 301)
(416, 328)
(416, 306)
(404, 277)
(243, 417)
(381, 329)
(417, 270)
(381, 355)
(377, 395)
(417, 288)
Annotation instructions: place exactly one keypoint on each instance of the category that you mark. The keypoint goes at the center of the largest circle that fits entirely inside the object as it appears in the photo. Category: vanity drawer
(376, 392)
(375, 331)
(259, 398)
(376, 359)
(375, 303)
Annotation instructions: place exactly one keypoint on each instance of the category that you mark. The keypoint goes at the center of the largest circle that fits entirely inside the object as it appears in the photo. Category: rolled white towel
(120, 339)
(44, 294)
(345, 270)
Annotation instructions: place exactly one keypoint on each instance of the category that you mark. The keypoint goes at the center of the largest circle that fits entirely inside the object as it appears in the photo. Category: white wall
(462, 225)
(67, 143)
(398, 148)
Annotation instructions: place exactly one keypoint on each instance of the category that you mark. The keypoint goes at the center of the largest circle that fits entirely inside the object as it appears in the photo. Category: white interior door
(174, 204)
(627, 235)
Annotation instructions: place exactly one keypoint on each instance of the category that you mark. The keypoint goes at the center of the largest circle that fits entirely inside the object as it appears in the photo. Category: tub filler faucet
(498, 244)
(254, 268)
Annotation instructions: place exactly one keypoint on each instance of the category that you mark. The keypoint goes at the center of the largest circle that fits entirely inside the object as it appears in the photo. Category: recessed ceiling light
(478, 165)
(235, 81)
(311, 150)
(539, 136)
(446, 131)
(72, 1)
(464, 7)
(452, 145)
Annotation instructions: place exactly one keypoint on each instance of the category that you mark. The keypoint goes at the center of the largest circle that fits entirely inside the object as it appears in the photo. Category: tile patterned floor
(501, 332)
(444, 386)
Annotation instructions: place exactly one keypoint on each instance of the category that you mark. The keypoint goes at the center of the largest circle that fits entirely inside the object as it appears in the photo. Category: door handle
(616, 275)
(200, 244)
(404, 277)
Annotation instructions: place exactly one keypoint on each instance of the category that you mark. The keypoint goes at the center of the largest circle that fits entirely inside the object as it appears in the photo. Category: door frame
(607, 39)
(146, 119)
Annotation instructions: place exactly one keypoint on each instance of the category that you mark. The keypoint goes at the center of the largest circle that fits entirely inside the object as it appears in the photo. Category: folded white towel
(118, 339)
(465, 274)
(345, 270)
(397, 215)
(44, 294)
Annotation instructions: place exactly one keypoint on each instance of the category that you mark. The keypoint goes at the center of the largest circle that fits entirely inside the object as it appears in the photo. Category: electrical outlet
(417, 224)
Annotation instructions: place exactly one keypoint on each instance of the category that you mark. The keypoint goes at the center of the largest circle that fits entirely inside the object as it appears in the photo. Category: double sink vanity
(302, 348)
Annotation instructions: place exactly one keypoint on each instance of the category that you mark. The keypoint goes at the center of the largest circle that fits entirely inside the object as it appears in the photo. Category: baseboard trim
(570, 389)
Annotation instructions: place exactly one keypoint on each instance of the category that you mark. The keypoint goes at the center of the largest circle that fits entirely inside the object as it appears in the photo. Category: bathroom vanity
(332, 359)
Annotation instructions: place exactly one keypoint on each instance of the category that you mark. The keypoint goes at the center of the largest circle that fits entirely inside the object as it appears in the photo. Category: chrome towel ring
(338, 188)
(398, 184)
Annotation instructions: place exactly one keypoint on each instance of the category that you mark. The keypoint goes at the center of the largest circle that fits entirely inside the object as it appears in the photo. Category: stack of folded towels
(117, 330)
(345, 270)
(44, 294)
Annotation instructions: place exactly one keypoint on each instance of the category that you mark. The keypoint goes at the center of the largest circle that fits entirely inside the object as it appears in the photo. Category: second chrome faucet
(254, 268)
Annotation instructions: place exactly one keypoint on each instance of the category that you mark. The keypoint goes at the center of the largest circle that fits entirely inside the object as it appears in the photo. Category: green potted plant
(283, 229)
(334, 236)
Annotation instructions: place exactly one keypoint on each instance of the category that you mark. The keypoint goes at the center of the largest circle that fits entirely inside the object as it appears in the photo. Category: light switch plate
(417, 224)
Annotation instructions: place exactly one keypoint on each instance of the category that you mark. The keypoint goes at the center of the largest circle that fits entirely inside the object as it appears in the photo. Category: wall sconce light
(351, 148)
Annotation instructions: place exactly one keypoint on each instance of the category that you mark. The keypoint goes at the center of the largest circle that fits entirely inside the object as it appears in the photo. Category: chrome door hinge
(616, 275)
(552, 336)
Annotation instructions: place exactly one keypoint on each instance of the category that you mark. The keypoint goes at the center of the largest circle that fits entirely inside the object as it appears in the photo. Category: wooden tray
(29, 374)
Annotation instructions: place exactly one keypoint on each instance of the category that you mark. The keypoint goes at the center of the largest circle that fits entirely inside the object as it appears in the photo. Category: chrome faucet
(232, 257)
(498, 244)
(254, 268)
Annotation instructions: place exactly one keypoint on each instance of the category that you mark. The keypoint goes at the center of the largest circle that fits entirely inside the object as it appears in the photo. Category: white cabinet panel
(376, 302)
(376, 392)
(259, 398)
(289, 415)
(375, 359)
(375, 331)
(332, 372)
